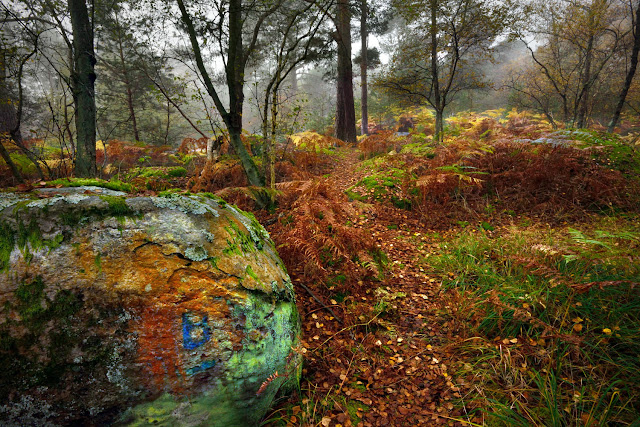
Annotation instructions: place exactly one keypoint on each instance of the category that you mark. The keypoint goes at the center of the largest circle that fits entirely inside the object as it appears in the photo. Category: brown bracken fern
(314, 235)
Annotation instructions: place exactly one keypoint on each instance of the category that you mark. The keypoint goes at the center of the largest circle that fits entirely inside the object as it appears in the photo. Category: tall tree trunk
(11, 117)
(583, 100)
(439, 126)
(235, 81)
(7, 120)
(269, 134)
(272, 142)
(363, 67)
(437, 96)
(12, 166)
(127, 83)
(294, 80)
(166, 133)
(630, 74)
(345, 113)
(84, 78)
(266, 143)
(67, 125)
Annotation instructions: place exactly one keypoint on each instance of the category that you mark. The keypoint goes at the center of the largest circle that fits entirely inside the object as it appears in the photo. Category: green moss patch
(27, 237)
(241, 242)
(92, 182)
(118, 206)
(160, 172)
(419, 149)
(382, 186)
(252, 273)
(7, 243)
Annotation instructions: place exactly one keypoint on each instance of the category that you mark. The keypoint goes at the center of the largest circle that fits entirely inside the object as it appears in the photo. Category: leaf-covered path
(388, 359)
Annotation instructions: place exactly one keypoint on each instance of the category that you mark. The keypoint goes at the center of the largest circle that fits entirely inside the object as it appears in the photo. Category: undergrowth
(552, 318)
(314, 234)
(480, 168)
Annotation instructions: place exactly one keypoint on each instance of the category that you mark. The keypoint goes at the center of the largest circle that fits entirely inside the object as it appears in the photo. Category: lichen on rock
(134, 310)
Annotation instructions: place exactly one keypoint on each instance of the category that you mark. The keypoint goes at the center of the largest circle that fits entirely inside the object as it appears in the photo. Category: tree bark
(127, 83)
(7, 158)
(630, 74)
(439, 126)
(363, 67)
(166, 132)
(84, 78)
(437, 96)
(272, 142)
(235, 81)
(583, 101)
(345, 113)
(11, 117)
(294, 81)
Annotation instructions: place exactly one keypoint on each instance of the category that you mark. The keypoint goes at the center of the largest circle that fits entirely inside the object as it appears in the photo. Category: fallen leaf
(23, 188)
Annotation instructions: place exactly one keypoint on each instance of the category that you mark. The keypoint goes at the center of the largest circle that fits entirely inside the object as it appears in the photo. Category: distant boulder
(140, 310)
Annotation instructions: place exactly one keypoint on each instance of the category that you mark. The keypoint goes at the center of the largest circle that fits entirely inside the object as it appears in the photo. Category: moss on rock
(135, 309)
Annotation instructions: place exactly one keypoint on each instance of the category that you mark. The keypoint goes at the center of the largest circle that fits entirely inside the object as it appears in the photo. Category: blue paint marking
(205, 365)
(190, 329)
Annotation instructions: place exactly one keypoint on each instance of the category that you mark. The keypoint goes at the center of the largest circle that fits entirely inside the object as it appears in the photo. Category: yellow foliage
(494, 114)
(313, 141)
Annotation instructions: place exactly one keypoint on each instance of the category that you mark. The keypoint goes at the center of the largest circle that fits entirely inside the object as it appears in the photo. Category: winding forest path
(388, 361)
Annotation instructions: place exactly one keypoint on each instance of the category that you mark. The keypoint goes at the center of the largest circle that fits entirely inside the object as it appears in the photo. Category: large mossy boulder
(140, 310)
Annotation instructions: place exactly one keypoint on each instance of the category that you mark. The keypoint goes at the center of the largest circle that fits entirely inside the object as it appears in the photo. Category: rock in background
(168, 310)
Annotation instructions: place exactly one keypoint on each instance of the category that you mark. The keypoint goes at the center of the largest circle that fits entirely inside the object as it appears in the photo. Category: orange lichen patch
(182, 317)
(146, 271)
(158, 343)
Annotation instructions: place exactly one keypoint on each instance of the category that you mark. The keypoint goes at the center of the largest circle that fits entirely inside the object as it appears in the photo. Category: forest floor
(390, 364)
(411, 346)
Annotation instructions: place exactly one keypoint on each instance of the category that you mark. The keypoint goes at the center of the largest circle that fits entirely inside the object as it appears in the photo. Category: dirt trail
(390, 362)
